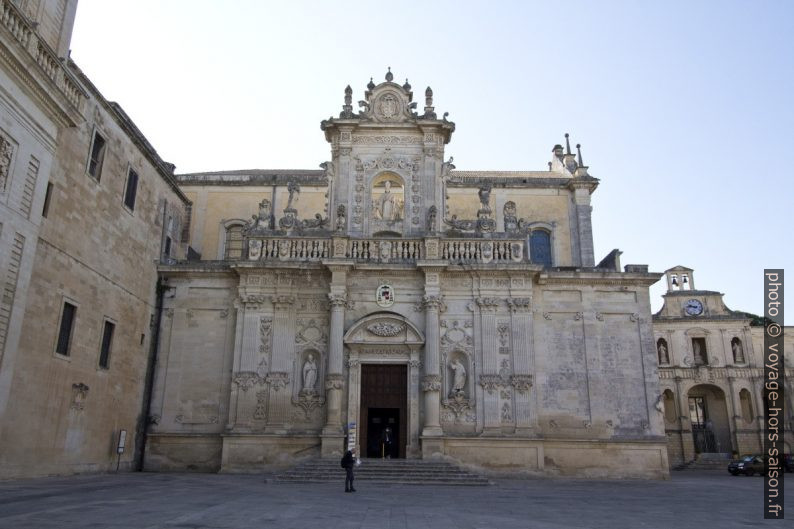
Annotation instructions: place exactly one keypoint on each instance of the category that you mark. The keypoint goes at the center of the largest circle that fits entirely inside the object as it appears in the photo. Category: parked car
(748, 465)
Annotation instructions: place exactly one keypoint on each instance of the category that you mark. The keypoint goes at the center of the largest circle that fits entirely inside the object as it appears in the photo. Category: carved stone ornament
(383, 328)
(431, 383)
(79, 394)
(433, 303)
(247, 379)
(334, 382)
(490, 383)
(6, 153)
(384, 296)
(459, 405)
(488, 304)
(277, 381)
(260, 412)
(521, 383)
(519, 304)
(308, 403)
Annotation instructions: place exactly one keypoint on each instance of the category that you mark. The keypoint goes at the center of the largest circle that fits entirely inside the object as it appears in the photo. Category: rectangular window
(97, 156)
(107, 341)
(65, 332)
(131, 189)
(167, 250)
(47, 197)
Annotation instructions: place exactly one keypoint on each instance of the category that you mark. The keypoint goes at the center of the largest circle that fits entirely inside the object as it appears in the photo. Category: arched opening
(540, 247)
(663, 352)
(738, 351)
(708, 415)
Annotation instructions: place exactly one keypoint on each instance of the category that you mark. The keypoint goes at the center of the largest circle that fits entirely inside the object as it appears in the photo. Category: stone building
(87, 209)
(711, 367)
(462, 310)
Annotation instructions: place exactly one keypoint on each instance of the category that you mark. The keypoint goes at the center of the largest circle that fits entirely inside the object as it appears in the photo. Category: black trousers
(348, 478)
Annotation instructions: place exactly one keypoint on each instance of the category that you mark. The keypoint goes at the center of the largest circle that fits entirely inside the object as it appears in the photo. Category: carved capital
(519, 304)
(431, 383)
(488, 304)
(247, 379)
(337, 300)
(521, 383)
(282, 302)
(490, 382)
(435, 303)
(277, 380)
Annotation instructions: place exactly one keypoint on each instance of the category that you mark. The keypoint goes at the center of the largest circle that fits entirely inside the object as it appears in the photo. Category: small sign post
(120, 447)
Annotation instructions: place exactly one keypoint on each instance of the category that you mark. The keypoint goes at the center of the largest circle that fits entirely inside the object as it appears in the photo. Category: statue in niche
(431, 218)
(663, 356)
(293, 189)
(697, 353)
(388, 206)
(309, 376)
(738, 351)
(458, 378)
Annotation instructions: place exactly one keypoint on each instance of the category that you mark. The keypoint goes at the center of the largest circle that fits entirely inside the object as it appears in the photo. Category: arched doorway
(383, 381)
(708, 415)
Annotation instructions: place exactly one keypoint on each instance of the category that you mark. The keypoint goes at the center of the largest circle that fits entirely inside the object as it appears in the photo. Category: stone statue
(309, 376)
(663, 358)
(697, 353)
(458, 378)
(431, 218)
(447, 167)
(388, 206)
(738, 351)
(262, 218)
(341, 218)
(460, 225)
(293, 189)
(510, 216)
(485, 196)
(328, 170)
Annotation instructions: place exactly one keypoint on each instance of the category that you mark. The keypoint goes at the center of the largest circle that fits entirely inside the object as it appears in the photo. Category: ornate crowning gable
(383, 328)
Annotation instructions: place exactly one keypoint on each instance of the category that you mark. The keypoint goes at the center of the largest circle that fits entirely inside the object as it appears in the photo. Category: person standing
(348, 462)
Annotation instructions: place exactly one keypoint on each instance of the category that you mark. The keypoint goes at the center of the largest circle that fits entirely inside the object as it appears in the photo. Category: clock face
(693, 307)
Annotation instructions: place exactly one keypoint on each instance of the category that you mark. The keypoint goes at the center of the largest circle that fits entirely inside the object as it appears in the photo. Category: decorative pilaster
(489, 379)
(279, 404)
(523, 360)
(252, 348)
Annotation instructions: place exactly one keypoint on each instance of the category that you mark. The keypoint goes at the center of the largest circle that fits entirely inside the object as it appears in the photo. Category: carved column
(431, 383)
(490, 379)
(523, 361)
(279, 405)
(334, 381)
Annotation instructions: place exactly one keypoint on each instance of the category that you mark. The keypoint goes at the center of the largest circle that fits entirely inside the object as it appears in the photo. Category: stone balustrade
(317, 249)
(52, 67)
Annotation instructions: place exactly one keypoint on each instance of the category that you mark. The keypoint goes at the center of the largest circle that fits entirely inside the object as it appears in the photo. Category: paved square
(199, 501)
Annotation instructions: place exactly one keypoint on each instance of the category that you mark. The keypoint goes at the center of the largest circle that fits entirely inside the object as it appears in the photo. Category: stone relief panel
(6, 156)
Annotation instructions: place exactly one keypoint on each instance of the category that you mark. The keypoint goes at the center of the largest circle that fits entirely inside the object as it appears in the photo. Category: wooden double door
(384, 406)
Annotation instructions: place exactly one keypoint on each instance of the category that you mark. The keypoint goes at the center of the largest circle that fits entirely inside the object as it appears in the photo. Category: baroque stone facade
(711, 367)
(462, 308)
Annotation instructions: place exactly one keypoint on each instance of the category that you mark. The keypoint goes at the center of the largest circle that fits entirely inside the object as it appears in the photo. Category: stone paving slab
(211, 501)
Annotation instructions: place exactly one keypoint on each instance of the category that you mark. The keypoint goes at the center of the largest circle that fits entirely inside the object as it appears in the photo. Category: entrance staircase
(391, 471)
(707, 461)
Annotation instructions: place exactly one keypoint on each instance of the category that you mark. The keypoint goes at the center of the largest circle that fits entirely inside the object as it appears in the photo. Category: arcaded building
(711, 366)
(462, 310)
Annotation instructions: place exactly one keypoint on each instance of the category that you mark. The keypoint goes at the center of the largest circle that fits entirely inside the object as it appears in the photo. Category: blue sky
(683, 109)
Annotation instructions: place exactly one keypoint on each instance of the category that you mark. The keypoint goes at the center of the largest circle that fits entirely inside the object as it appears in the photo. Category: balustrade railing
(45, 57)
(383, 250)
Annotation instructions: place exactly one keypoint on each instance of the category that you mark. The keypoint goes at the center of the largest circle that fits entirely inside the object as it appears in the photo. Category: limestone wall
(64, 412)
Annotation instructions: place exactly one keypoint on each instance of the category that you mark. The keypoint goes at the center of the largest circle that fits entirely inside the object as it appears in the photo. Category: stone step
(391, 471)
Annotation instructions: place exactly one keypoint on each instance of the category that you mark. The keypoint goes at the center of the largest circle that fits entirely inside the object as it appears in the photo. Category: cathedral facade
(457, 314)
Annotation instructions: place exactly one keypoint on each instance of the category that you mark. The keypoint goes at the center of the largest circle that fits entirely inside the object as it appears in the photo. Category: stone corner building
(711, 366)
(463, 310)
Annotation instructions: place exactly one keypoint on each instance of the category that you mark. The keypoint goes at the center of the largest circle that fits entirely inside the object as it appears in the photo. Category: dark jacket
(348, 461)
